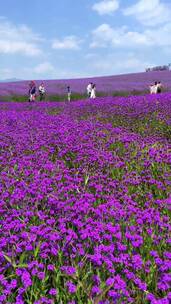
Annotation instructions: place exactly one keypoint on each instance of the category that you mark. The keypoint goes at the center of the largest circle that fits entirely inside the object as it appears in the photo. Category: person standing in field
(153, 88)
(42, 92)
(159, 87)
(89, 89)
(32, 91)
(30, 85)
(69, 93)
(93, 92)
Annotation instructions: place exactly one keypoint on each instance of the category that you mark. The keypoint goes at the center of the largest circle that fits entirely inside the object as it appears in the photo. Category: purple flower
(53, 292)
(85, 191)
(71, 287)
(26, 279)
(13, 284)
(41, 275)
(95, 290)
(110, 281)
(69, 270)
(51, 267)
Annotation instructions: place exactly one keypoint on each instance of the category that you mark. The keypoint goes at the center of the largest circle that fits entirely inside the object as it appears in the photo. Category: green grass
(74, 96)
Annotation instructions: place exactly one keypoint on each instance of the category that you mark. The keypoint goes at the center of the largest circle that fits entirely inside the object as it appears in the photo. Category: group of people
(91, 90)
(33, 91)
(156, 88)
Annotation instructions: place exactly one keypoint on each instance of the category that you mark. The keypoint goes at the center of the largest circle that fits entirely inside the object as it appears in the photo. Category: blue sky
(68, 39)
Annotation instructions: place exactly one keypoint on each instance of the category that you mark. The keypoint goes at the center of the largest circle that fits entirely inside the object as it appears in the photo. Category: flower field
(85, 201)
(106, 85)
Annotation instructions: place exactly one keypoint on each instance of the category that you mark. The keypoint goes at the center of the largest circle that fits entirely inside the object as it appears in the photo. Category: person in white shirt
(89, 89)
(42, 91)
(153, 88)
(69, 93)
(93, 91)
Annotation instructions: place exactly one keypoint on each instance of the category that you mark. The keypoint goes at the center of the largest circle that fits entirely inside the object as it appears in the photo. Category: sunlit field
(85, 201)
(119, 85)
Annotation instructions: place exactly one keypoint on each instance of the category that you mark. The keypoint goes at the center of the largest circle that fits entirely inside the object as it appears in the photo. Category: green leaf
(21, 266)
(22, 257)
(37, 250)
(9, 260)
(86, 180)
(15, 167)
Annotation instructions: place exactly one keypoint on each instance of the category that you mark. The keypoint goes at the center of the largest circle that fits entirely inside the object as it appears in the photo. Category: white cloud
(47, 71)
(106, 6)
(67, 43)
(118, 63)
(18, 39)
(12, 47)
(149, 12)
(105, 36)
(43, 68)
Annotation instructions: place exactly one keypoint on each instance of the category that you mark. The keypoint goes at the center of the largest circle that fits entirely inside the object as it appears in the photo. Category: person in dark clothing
(32, 91)
(159, 87)
(69, 93)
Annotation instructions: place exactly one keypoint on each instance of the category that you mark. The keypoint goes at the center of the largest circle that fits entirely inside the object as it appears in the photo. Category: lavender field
(85, 201)
(121, 84)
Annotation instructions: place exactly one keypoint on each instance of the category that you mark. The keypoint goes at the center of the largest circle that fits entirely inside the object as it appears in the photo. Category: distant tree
(159, 68)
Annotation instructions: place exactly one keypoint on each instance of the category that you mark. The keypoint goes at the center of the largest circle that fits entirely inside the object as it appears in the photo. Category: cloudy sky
(77, 38)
